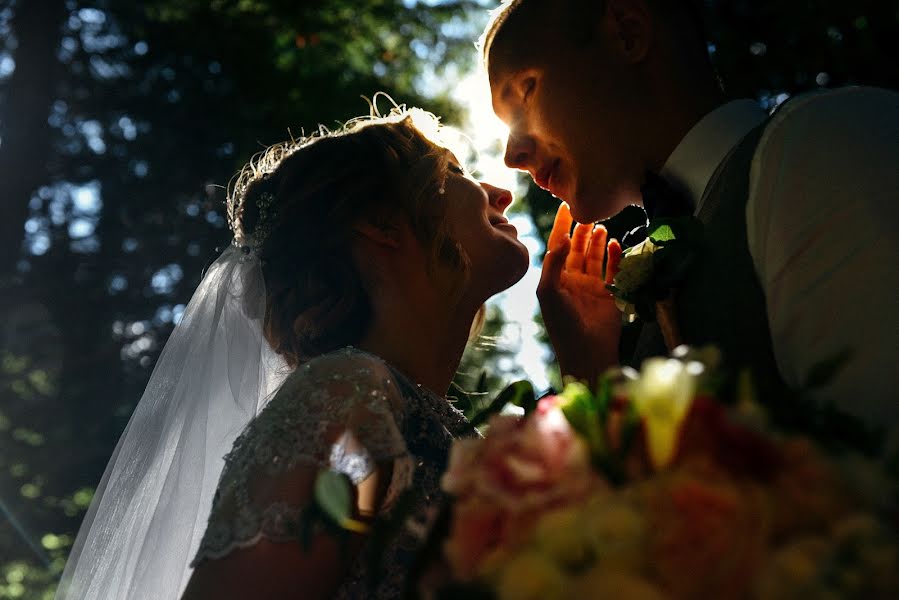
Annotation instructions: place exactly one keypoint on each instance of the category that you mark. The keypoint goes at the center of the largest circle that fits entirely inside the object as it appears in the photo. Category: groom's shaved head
(521, 31)
(526, 32)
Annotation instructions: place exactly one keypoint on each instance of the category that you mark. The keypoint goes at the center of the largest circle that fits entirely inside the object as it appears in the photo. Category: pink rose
(524, 466)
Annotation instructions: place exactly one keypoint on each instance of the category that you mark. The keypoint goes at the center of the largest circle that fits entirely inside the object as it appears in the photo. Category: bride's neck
(422, 335)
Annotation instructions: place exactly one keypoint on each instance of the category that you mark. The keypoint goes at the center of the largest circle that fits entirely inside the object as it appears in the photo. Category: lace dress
(347, 411)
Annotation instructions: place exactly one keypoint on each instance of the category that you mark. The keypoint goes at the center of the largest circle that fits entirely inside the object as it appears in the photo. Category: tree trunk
(25, 135)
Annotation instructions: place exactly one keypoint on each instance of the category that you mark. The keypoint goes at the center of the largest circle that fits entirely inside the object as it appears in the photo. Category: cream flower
(635, 268)
(663, 395)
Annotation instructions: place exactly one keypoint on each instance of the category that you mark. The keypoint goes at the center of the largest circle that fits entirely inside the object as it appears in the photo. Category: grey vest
(721, 302)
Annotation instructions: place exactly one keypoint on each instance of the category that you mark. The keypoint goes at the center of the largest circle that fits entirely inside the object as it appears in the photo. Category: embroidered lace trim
(341, 411)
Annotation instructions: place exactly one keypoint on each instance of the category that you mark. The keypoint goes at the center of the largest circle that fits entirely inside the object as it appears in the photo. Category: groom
(800, 209)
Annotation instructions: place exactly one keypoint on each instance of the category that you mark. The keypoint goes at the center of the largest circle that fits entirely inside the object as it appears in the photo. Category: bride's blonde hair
(296, 203)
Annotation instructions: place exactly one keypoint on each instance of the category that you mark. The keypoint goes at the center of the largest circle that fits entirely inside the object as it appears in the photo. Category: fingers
(614, 260)
(553, 264)
(561, 227)
(579, 241)
(597, 252)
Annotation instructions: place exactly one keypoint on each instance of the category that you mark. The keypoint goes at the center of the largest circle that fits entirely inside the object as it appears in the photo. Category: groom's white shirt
(822, 218)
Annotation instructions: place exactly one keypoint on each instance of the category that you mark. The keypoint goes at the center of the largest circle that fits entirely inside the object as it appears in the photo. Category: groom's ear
(630, 27)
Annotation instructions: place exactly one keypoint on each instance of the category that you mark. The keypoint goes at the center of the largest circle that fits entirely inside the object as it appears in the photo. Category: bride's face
(475, 220)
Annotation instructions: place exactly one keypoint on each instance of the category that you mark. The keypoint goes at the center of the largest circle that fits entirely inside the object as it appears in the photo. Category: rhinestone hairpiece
(266, 222)
(251, 244)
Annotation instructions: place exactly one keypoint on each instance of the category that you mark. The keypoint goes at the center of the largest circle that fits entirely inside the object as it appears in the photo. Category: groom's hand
(583, 324)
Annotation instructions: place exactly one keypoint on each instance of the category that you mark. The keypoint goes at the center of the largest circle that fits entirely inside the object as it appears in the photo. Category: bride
(361, 260)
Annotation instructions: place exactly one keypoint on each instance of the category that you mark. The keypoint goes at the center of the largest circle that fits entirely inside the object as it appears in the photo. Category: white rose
(636, 267)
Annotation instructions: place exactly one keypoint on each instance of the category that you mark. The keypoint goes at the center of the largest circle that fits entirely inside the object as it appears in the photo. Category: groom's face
(572, 119)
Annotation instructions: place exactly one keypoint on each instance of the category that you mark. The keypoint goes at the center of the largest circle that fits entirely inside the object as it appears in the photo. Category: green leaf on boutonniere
(650, 270)
(675, 230)
(661, 233)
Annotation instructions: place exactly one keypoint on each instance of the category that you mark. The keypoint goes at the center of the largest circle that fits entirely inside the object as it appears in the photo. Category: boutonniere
(651, 271)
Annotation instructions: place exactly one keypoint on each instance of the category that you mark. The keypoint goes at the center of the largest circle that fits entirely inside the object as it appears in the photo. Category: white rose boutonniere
(635, 271)
(651, 271)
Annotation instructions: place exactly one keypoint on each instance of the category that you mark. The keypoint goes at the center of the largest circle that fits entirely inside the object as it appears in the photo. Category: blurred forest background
(120, 122)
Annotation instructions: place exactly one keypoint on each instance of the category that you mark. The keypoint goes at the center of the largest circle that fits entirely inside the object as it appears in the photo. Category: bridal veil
(150, 509)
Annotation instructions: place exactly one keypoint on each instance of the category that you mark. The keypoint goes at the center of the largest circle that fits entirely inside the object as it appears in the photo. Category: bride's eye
(456, 169)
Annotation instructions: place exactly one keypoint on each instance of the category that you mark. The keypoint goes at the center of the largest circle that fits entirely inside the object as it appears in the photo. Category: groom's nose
(519, 151)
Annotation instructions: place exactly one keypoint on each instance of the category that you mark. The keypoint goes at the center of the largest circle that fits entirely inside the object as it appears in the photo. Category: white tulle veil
(151, 506)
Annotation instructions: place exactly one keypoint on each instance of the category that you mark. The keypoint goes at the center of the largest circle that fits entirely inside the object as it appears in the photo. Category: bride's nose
(499, 198)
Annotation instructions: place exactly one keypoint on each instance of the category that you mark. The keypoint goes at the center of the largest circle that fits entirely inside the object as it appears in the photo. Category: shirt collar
(693, 162)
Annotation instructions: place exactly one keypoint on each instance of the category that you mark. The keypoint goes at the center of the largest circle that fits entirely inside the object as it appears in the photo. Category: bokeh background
(120, 124)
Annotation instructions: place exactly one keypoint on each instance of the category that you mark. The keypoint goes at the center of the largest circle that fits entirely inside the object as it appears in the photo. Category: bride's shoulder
(348, 375)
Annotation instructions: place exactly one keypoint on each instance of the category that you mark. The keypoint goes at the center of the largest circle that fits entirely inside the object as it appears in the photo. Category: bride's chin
(508, 273)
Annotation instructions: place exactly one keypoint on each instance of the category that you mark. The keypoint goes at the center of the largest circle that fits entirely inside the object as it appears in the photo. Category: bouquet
(650, 487)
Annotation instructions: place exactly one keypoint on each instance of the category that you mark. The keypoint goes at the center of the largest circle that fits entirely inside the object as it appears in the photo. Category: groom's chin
(591, 210)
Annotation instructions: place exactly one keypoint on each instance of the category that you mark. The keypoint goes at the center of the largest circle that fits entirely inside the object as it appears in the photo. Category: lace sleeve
(340, 411)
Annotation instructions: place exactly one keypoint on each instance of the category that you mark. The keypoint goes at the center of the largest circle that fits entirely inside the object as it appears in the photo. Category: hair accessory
(266, 222)
(249, 246)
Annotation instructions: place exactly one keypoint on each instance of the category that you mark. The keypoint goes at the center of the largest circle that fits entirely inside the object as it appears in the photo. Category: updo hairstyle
(296, 205)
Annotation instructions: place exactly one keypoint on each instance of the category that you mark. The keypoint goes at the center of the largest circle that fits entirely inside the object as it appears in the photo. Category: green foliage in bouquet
(519, 393)
(589, 415)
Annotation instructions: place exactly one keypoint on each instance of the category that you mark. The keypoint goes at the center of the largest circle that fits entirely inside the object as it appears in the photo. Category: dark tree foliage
(121, 124)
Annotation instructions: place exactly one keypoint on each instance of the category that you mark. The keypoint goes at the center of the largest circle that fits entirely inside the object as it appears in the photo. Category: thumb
(553, 264)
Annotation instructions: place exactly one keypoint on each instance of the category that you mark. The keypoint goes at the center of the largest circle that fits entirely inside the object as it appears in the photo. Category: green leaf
(661, 233)
(520, 393)
(582, 411)
(333, 493)
(682, 231)
(523, 396)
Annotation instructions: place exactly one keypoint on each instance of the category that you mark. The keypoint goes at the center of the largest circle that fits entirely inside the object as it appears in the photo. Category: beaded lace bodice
(346, 411)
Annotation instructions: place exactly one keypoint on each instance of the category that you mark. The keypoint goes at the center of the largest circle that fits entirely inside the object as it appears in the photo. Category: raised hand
(583, 324)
